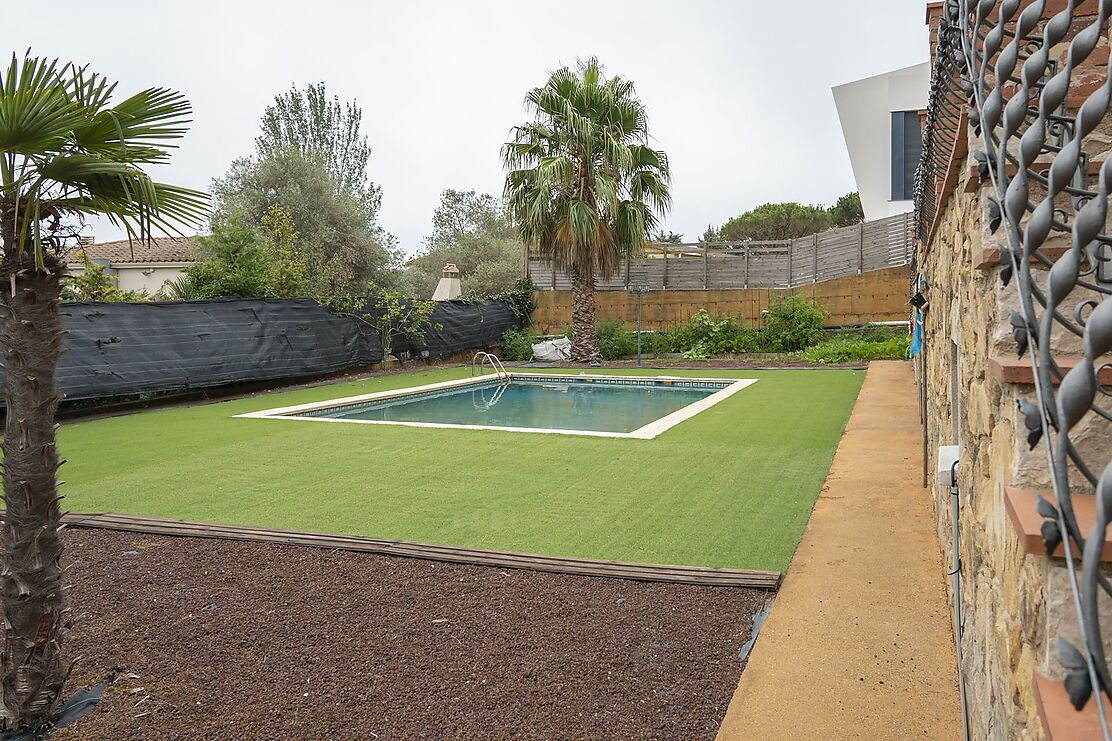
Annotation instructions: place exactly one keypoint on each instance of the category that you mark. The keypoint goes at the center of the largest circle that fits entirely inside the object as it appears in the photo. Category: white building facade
(138, 266)
(881, 118)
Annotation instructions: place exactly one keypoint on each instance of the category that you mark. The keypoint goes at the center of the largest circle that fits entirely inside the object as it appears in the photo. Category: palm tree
(65, 153)
(584, 186)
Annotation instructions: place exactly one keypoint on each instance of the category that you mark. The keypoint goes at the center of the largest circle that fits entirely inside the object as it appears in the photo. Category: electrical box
(948, 455)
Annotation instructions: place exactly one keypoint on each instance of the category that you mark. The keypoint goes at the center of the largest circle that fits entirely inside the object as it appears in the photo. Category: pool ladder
(496, 365)
(486, 404)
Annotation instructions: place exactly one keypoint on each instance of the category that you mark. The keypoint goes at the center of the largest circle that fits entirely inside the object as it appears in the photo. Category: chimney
(448, 288)
(84, 240)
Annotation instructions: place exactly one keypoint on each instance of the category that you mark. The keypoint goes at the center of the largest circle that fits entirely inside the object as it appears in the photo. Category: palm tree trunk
(32, 674)
(584, 340)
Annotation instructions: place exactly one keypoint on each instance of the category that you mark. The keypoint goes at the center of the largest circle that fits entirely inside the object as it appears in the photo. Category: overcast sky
(738, 93)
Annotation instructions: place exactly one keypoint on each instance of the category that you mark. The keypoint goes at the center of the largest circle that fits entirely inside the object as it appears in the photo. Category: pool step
(694, 575)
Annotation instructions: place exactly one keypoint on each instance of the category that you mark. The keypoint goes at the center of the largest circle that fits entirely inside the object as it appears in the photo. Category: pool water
(563, 404)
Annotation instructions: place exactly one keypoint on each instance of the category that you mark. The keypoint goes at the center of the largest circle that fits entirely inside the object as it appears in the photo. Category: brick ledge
(990, 256)
(1018, 370)
(1060, 721)
(1026, 520)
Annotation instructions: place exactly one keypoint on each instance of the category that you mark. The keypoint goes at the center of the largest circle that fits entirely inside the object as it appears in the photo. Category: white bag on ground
(552, 351)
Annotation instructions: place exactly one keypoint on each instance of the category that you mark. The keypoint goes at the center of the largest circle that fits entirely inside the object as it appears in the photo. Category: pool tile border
(647, 432)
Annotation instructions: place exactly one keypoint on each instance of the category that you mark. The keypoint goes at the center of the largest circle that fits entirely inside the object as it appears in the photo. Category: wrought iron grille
(1011, 68)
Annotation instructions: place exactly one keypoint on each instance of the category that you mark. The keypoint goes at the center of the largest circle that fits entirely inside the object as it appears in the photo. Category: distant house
(138, 265)
(881, 119)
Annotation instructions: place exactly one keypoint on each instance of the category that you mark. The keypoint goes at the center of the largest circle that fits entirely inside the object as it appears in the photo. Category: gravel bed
(223, 639)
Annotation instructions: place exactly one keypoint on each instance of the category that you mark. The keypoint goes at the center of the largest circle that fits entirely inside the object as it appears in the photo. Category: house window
(907, 145)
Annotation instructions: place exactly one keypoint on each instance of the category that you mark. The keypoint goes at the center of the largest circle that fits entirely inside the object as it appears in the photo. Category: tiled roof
(159, 249)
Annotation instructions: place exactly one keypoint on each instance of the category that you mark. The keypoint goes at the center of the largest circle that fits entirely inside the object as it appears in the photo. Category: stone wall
(1003, 591)
(876, 296)
(1015, 604)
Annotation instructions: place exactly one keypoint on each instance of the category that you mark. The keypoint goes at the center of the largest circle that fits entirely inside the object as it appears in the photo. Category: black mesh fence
(117, 349)
(458, 326)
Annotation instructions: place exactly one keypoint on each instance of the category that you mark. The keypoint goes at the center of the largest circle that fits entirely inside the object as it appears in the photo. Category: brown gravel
(237, 640)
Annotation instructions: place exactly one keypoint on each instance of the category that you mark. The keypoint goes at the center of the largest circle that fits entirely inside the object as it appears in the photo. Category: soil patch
(221, 639)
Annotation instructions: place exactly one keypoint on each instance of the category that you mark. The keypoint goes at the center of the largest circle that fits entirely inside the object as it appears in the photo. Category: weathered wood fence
(698, 266)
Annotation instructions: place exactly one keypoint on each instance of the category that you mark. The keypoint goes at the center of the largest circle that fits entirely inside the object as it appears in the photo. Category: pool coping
(646, 432)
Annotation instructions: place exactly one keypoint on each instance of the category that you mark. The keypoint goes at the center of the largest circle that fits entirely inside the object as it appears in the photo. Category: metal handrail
(495, 364)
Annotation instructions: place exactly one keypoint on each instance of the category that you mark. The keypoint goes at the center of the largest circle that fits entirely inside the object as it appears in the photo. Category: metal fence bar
(1013, 72)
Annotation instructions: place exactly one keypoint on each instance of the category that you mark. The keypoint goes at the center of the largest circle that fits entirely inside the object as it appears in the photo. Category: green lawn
(731, 487)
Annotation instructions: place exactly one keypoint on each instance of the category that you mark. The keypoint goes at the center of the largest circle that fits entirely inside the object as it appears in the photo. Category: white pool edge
(647, 432)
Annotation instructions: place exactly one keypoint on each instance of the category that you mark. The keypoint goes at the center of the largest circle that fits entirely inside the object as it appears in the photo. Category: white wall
(864, 109)
(131, 276)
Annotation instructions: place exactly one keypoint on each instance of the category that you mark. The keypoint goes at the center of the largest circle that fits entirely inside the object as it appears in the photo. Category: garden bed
(737, 361)
(218, 639)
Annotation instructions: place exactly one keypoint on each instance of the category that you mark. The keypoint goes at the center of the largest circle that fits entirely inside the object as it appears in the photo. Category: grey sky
(738, 93)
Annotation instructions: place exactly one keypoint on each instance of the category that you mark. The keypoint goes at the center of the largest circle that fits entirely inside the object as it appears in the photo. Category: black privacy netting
(116, 349)
(458, 326)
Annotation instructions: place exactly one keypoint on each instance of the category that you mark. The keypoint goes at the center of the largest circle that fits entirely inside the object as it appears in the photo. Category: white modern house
(137, 266)
(881, 119)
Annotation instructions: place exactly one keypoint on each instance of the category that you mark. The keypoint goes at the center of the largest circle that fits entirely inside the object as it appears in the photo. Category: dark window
(907, 145)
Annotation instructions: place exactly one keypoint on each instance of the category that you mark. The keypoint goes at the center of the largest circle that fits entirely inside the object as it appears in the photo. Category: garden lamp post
(639, 288)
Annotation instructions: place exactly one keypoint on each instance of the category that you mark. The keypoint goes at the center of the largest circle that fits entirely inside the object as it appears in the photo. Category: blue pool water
(559, 404)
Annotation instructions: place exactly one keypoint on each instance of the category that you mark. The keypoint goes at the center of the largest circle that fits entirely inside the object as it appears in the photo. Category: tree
(847, 211)
(667, 236)
(394, 316)
(473, 231)
(337, 230)
(311, 160)
(583, 184)
(710, 235)
(321, 129)
(776, 221)
(235, 264)
(65, 153)
(246, 261)
(96, 284)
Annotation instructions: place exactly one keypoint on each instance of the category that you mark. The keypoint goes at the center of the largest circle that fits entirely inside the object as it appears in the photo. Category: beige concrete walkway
(859, 643)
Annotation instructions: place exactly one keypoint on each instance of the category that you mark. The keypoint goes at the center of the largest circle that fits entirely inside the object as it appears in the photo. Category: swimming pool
(607, 406)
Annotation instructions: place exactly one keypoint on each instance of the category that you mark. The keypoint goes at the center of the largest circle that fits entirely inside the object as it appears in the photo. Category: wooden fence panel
(852, 250)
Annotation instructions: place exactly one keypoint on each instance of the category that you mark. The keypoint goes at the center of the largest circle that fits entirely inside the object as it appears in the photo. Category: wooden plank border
(692, 575)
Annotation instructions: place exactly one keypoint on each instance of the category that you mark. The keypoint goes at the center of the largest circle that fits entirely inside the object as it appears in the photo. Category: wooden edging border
(692, 575)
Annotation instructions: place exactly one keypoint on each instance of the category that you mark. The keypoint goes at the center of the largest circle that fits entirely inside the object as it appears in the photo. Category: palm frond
(37, 107)
(582, 183)
(66, 152)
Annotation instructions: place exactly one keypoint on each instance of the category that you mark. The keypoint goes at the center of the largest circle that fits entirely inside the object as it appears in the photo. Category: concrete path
(859, 643)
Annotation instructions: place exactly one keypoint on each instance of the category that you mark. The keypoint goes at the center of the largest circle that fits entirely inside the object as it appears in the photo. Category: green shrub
(615, 341)
(655, 343)
(516, 345)
(698, 352)
(850, 350)
(793, 323)
(750, 340)
(870, 332)
(713, 335)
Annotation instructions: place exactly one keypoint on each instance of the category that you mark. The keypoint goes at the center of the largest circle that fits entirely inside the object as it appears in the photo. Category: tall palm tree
(65, 153)
(584, 186)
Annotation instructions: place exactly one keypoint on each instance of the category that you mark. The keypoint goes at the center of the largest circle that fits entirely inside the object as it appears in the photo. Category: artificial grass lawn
(730, 487)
